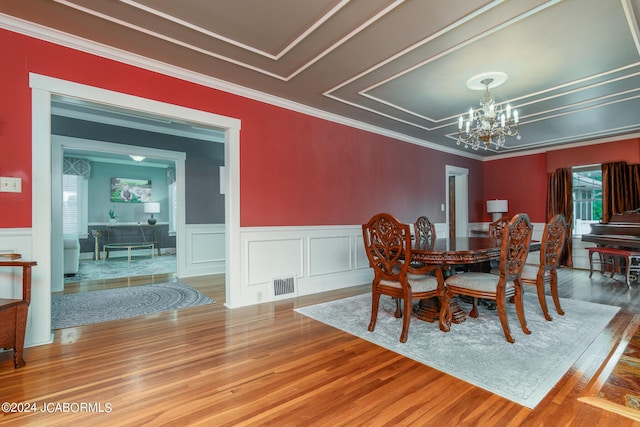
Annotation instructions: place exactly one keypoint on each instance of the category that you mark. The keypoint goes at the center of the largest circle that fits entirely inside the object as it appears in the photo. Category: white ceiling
(400, 66)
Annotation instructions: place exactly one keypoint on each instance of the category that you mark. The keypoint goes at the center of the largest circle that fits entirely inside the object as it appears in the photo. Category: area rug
(117, 267)
(85, 308)
(475, 350)
(616, 388)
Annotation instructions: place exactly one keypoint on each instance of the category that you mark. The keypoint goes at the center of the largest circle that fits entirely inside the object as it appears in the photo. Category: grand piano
(622, 231)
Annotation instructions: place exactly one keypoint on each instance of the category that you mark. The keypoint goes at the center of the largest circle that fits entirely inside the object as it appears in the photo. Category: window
(173, 208)
(75, 210)
(587, 198)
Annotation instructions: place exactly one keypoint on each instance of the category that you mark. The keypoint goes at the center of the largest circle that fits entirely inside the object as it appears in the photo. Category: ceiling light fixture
(490, 124)
(138, 158)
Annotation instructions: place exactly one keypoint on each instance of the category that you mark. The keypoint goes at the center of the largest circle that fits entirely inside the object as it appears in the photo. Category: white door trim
(42, 89)
(462, 198)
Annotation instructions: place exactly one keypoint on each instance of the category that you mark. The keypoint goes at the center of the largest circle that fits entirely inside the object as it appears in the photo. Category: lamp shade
(152, 207)
(501, 206)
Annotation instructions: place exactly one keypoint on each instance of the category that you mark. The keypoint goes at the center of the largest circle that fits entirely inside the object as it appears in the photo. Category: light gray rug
(476, 351)
(117, 267)
(101, 306)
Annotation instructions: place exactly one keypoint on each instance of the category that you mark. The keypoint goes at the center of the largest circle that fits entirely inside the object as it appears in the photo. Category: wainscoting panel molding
(275, 258)
(330, 255)
(362, 262)
(205, 252)
(20, 240)
(320, 258)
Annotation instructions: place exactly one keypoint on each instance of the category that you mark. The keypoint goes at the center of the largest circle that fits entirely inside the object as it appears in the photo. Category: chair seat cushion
(419, 283)
(483, 282)
(530, 272)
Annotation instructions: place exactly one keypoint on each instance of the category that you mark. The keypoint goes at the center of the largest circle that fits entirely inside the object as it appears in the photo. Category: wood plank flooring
(267, 365)
(617, 386)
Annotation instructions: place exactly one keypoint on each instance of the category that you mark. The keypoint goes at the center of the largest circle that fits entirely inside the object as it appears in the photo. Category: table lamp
(497, 208)
(152, 208)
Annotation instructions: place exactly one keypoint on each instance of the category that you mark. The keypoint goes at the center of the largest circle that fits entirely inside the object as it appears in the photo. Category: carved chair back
(424, 230)
(516, 238)
(496, 228)
(554, 238)
(387, 243)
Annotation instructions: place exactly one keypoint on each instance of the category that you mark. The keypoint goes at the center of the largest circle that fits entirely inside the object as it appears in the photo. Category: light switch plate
(10, 185)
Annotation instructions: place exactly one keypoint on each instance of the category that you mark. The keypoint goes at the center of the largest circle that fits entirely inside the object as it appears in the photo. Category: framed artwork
(129, 190)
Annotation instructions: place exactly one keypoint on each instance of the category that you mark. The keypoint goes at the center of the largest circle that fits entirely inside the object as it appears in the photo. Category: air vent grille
(284, 286)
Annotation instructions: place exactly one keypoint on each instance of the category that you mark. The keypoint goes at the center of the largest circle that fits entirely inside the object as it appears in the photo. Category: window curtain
(75, 191)
(620, 189)
(81, 167)
(560, 201)
(171, 175)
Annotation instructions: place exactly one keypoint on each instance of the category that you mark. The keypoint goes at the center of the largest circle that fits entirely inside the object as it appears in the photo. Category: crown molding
(47, 34)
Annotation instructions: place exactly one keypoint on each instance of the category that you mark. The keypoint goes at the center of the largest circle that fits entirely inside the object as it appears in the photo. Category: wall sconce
(152, 208)
(497, 208)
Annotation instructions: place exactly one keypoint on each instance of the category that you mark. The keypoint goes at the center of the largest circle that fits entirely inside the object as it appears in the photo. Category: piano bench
(610, 255)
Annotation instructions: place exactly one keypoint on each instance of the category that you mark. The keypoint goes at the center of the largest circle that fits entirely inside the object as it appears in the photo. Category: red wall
(627, 151)
(295, 169)
(522, 181)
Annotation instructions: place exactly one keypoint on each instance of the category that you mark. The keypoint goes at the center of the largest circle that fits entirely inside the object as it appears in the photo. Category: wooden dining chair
(387, 244)
(496, 228)
(13, 311)
(424, 230)
(554, 238)
(514, 249)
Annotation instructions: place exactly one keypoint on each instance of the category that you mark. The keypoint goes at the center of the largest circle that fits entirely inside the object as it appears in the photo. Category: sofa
(71, 255)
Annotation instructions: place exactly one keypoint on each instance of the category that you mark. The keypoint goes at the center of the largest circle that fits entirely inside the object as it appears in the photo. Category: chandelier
(489, 125)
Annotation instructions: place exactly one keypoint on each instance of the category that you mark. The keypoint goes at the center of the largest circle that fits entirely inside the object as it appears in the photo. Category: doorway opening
(102, 147)
(43, 88)
(87, 226)
(457, 209)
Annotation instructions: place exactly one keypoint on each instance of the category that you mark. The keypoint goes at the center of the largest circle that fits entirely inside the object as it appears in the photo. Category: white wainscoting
(319, 259)
(205, 250)
(20, 240)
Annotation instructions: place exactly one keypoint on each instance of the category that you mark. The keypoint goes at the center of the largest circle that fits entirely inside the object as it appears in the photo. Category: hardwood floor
(267, 365)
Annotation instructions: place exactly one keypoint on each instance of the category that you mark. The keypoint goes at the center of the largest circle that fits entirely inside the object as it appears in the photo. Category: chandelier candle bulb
(491, 124)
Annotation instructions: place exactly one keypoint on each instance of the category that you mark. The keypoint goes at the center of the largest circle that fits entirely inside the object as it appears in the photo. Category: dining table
(472, 253)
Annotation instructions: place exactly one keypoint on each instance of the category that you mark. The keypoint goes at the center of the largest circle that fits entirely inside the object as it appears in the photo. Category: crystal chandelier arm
(491, 123)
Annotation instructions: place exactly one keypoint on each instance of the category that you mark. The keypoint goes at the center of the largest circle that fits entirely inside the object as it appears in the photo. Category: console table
(133, 235)
(128, 247)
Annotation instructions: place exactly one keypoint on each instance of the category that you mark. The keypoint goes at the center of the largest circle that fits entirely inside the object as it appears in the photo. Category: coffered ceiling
(400, 66)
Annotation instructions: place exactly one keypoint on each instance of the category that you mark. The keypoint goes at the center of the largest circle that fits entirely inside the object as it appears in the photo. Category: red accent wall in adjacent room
(522, 181)
(625, 151)
(295, 169)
